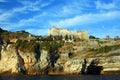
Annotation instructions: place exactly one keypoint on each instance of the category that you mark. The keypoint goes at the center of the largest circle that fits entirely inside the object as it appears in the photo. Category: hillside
(23, 53)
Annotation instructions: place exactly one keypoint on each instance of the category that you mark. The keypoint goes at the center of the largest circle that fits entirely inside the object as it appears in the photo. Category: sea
(59, 77)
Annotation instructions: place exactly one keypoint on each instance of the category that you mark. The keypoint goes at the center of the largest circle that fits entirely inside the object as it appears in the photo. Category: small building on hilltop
(55, 31)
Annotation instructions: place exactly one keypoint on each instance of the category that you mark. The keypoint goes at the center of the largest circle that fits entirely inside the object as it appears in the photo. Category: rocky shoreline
(61, 73)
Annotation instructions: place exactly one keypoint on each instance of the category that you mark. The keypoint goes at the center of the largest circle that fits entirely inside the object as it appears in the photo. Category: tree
(92, 37)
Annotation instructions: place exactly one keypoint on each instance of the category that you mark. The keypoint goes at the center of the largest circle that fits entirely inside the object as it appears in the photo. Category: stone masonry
(55, 31)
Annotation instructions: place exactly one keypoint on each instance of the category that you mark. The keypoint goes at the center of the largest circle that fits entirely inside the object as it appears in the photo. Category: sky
(99, 17)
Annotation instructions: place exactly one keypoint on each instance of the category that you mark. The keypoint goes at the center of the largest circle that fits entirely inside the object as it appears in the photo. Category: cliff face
(109, 64)
(50, 55)
(107, 54)
(70, 60)
(10, 61)
(15, 61)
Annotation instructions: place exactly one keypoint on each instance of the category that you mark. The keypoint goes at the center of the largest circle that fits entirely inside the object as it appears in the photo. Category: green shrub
(106, 49)
(26, 46)
(53, 44)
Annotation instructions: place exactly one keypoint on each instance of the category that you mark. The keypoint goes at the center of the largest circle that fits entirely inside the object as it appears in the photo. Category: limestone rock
(10, 60)
(73, 66)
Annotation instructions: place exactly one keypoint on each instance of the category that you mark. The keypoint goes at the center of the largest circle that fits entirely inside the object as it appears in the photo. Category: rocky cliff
(69, 59)
(15, 61)
(105, 52)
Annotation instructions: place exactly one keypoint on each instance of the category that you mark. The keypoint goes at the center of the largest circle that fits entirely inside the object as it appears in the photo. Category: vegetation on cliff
(26, 46)
(12, 35)
(55, 45)
(30, 46)
(105, 49)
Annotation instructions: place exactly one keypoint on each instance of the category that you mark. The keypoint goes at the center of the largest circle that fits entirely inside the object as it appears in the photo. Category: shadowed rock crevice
(37, 51)
(84, 65)
(53, 56)
(93, 68)
(20, 64)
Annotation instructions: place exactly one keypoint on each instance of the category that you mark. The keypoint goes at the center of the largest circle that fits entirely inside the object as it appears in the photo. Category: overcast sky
(99, 17)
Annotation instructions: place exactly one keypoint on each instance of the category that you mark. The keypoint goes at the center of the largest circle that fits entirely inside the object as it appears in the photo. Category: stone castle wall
(63, 32)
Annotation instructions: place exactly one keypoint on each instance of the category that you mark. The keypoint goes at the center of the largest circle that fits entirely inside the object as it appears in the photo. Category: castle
(55, 31)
